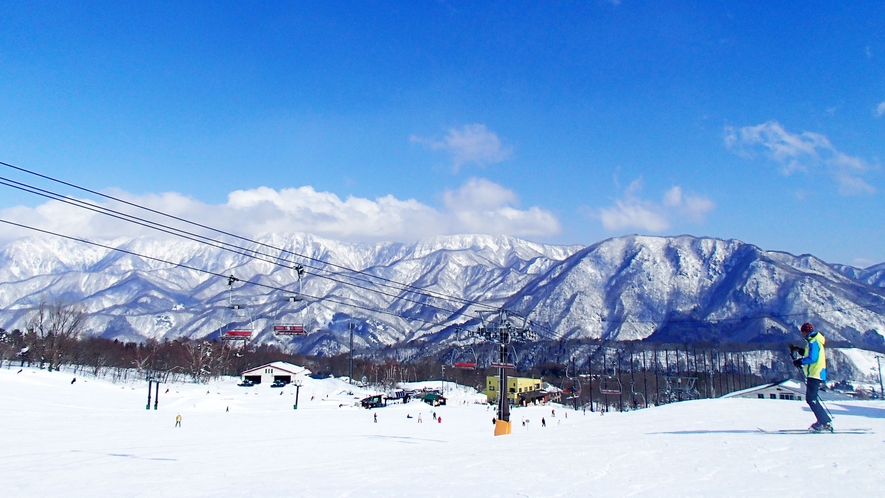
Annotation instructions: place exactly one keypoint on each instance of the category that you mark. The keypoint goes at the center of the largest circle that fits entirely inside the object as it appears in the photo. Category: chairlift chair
(281, 328)
(610, 385)
(470, 364)
(236, 315)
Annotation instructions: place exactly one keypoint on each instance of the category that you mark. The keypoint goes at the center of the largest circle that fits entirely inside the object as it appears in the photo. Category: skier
(178, 420)
(543, 422)
(419, 418)
(376, 418)
(813, 364)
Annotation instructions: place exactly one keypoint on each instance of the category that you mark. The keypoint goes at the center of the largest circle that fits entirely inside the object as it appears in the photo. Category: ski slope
(95, 438)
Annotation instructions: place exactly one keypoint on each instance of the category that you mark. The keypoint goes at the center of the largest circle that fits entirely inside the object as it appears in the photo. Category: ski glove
(797, 362)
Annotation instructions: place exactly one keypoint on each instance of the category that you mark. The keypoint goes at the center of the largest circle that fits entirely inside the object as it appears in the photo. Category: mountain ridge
(634, 287)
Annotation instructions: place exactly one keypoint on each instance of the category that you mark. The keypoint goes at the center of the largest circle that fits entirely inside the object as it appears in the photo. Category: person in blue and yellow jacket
(813, 363)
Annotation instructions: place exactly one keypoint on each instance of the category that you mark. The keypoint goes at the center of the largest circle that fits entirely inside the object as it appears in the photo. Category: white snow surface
(95, 438)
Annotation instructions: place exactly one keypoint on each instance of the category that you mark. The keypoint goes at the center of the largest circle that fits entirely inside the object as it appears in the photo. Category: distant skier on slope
(813, 364)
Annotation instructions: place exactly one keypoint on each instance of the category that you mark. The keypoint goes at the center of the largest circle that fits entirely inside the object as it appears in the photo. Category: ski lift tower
(497, 328)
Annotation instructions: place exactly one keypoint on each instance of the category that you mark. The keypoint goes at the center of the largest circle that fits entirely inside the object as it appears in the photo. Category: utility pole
(297, 392)
(350, 375)
(881, 387)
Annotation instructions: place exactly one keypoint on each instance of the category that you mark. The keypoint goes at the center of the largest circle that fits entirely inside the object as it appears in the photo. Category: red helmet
(807, 327)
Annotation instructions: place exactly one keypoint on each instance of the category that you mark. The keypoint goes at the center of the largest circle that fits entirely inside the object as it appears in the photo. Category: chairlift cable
(255, 255)
(404, 287)
(221, 275)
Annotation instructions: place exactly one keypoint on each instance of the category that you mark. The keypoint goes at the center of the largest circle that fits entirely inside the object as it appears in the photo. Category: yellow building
(518, 388)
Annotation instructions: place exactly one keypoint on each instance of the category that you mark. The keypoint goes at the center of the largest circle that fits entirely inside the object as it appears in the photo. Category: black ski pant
(812, 386)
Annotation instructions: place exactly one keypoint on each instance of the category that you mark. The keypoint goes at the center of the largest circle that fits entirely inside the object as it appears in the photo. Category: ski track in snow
(94, 438)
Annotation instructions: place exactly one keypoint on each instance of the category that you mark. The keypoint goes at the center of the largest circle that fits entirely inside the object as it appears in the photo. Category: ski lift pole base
(502, 428)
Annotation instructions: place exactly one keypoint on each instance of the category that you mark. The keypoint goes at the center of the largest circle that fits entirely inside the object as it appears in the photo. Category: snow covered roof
(788, 384)
(281, 365)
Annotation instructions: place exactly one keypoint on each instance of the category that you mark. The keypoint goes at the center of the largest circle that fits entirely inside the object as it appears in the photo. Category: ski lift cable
(404, 287)
(218, 244)
(253, 253)
(209, 272)
(213, 243)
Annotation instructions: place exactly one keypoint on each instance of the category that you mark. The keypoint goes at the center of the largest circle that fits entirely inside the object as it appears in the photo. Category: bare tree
(53, 330)
(198, 358)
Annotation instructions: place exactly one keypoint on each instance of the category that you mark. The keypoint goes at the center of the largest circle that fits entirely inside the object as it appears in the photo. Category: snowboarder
(812, 361)
(178, 420)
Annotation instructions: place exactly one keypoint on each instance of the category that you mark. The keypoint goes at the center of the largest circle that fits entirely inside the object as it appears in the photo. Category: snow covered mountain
(634, 287)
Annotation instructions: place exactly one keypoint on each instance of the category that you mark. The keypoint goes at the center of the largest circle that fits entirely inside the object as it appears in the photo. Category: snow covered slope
(671, 288)
(94, 438)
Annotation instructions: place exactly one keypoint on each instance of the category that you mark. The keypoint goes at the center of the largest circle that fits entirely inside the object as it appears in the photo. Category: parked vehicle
(246, 383)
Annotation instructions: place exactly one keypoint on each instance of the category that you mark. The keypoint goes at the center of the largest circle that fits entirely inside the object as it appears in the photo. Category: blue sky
(558, 122)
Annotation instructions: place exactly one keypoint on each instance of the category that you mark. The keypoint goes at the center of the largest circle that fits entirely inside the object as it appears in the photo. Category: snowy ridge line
(667, 289)
(180, 265)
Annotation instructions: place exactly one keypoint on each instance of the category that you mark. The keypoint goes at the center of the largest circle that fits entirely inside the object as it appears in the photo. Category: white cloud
(800, 153)
(633, 212)
(880, 110)
(473, 143)
(478, 206)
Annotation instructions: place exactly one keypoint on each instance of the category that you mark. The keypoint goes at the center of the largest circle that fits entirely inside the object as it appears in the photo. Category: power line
(209, 272)
(254, 254)
(402, 286)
